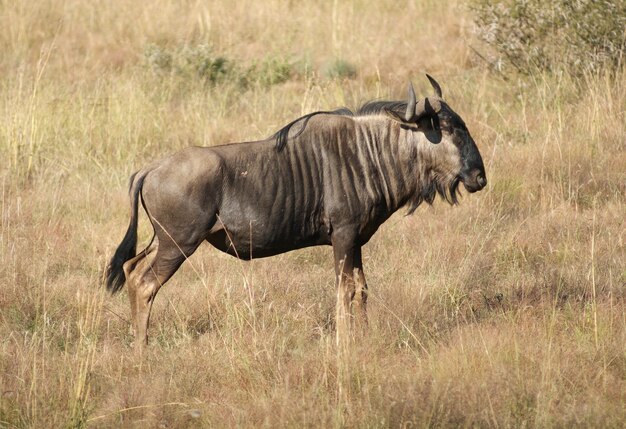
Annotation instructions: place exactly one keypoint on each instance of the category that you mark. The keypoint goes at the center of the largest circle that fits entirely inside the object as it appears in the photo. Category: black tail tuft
(115, 277)
(127, 249)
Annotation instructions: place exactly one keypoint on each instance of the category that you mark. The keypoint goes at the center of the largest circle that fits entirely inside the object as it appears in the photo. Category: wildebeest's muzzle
(473, 171)
(475, 181)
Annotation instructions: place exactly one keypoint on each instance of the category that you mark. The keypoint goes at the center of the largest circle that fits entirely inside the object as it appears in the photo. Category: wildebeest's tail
(127, 249)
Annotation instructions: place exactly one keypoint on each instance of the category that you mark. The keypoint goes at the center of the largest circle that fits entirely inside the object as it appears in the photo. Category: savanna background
(505, 311)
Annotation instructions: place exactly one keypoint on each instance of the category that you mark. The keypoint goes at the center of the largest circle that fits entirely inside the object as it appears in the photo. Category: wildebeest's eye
(446, 127)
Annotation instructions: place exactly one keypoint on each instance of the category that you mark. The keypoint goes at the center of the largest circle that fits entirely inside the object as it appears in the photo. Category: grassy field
(508, 310)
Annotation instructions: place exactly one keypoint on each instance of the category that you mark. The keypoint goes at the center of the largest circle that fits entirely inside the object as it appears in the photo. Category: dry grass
(506, 311)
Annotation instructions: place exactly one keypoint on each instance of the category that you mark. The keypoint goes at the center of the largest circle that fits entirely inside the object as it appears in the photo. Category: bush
(575, 35)
(340, 69)
(189, 61)
(198, 62)
(270, 71)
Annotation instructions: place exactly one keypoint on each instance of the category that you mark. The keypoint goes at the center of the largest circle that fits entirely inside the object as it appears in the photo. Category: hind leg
(162, 260)
(134, 269)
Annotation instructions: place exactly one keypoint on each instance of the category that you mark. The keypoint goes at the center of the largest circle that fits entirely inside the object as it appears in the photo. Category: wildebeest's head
(444, 138)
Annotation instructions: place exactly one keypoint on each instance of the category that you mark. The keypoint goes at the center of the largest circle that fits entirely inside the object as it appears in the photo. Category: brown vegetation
(506, 311)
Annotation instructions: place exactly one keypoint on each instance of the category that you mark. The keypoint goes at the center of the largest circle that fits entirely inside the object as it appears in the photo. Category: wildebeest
(327, 178)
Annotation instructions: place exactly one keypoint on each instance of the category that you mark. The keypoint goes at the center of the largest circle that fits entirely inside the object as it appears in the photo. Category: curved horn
(410, 105)
(435, 85)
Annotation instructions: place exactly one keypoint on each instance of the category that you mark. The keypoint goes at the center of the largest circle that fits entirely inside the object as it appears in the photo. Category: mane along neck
(370, 108)
(387, 158)
(405, 162)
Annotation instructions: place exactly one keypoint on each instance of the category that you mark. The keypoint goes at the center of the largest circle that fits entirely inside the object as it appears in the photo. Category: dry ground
(505, 311)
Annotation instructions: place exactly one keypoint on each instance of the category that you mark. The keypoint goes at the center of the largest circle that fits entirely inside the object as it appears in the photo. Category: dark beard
(448, 190)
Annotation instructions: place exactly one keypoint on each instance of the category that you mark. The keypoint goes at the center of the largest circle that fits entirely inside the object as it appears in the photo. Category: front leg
(359, 300)
(345, 249)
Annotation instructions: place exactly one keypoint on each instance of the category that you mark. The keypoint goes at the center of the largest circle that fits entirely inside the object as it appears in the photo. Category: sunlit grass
(505, 311)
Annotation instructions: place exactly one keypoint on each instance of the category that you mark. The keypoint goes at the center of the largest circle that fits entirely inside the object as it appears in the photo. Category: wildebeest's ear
(430, 126)
(395, 116)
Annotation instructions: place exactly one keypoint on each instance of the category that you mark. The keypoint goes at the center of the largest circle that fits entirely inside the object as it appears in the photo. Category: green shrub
(572, 35)
(270, 71)
(157, 59)
(198, 62)
(201, 62)
(189, 61)
(340, 69)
